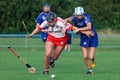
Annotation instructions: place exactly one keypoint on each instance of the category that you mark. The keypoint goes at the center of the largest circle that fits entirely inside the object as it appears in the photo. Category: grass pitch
(69, 66)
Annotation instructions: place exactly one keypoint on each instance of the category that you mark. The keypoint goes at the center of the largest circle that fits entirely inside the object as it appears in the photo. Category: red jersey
(55, 33)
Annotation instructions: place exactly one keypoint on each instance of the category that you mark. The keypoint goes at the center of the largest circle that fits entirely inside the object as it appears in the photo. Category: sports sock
(93, 59)
(90, 70)
(51, 59)
(47, 69)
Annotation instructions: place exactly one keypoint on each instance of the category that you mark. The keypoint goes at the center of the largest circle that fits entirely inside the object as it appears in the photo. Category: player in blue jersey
(89, 44)
(41, 18)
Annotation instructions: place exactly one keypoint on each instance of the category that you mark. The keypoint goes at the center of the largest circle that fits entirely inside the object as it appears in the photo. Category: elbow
(63, 30)
(66, 20)
(90, 28)
(38, 27)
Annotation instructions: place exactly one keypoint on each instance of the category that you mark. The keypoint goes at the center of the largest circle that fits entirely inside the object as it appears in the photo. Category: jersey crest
(43, 17)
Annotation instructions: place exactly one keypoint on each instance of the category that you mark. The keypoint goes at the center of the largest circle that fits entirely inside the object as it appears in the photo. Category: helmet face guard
(51, 18)
(46, 7)
(46, 4)
(79, 11)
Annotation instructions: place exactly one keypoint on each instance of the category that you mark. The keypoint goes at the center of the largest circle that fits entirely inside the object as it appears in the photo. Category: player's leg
(93, 45)
(49, 48)
(69, 47)
(86, 60)
(69, 41)
(92, 56)
(85, 55)
(66, 47)
(57, 51)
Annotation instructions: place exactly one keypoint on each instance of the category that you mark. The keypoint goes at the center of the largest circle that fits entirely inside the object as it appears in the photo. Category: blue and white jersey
(85, 40)
(80, 23)
(41, 18)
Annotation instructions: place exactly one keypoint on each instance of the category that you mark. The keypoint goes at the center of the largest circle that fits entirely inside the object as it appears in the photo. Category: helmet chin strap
(52, 25)
(46, 11)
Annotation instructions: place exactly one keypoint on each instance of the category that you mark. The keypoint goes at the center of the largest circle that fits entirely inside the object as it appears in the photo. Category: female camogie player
(41, 18)
(56, 39)
(88, 43)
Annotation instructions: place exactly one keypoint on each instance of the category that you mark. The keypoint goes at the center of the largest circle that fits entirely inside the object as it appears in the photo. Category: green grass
(69, 66)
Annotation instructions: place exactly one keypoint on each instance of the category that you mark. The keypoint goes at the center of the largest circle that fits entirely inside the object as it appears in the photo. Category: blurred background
(105, 14)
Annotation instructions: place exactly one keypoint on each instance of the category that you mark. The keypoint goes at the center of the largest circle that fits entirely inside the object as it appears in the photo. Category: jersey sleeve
(87, 18)
(69, 26)
(39, 19)
(73, 19)
(60, 23)
(59, 19)
(43, 24)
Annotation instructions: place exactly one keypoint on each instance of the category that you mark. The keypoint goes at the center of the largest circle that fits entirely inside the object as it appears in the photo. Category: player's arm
(68, 25)
(67, 20)
(38, 28)
(88, 27)
(84, 29)
(44, 30)
(88, 32)
(88, 24)
(74, 28)
(38, 22)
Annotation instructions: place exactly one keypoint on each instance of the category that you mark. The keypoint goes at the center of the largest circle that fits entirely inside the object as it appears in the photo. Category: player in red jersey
(56, 40)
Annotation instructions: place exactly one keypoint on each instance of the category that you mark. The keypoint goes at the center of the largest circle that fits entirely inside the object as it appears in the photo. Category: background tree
(104, 13)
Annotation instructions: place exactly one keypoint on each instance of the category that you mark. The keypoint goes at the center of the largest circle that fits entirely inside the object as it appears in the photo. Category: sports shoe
(45, 72)
(52, 64)
(93, 64)
(90, 72)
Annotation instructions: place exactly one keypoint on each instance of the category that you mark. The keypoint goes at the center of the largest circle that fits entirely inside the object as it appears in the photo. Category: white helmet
(79, 11)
